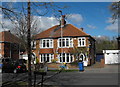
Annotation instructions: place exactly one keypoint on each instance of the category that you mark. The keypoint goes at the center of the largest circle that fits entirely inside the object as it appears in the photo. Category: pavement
(106, 69)
(91, 69)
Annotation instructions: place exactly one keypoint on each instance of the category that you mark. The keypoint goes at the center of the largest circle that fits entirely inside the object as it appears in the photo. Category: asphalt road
(78, 78)
(104, 76)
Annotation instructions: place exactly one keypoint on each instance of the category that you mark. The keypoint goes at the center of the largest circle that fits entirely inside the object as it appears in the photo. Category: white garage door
(112, 57)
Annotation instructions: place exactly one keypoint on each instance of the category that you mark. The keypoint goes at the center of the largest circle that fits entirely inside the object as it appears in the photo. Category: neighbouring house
(9, 45)
(111, 56)
(64, 43)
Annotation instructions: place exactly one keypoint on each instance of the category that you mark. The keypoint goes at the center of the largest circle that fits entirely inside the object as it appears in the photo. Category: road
(104, 76)
(78, 78)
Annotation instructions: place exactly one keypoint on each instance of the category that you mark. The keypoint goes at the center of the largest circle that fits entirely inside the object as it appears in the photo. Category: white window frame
(51, 56)
(70, 42)
(33, 44)
(82, 41)
(50, 41)
(65, 54)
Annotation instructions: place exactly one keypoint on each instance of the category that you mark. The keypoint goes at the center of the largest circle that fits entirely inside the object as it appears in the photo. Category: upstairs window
(46, 43)
(81, 41)
(33, 44)
(65, 42)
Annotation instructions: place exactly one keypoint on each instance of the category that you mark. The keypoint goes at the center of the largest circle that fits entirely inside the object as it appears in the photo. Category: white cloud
(75, 18)
(46, 22)
(100, 37)
(42, 23)
(112, 26)
(91, 26)
(5, 24)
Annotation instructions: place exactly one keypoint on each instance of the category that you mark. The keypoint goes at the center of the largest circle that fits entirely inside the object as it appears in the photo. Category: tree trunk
(29, 45)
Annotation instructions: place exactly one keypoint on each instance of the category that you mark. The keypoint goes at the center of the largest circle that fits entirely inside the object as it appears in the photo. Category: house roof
(6, 36)
(55, 32)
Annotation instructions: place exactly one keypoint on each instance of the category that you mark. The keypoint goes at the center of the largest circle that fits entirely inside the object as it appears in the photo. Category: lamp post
(61, 35)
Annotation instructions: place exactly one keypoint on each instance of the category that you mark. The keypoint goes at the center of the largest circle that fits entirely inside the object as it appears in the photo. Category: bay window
(46, 58)
(65, 42)
(46, 43)
(65, 57)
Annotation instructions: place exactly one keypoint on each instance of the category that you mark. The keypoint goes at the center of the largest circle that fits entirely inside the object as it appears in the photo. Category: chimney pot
(82, 29)
(63, 22)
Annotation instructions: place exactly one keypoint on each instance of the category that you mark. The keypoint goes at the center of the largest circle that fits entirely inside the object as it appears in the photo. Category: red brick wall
(6, 38)
(66, 50)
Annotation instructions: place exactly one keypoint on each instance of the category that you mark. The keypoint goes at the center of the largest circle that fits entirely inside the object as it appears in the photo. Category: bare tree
(22, 18)
(115, 9)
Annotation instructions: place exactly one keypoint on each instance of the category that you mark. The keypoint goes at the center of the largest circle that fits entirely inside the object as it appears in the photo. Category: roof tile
(55, 32)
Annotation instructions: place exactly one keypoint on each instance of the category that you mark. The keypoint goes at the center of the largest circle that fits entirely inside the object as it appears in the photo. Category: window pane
(63, 42)
(80, 42)
(51, 43)
(63, 57)
(67, 57)
(83, 43)
(71, 59)
(60, 58)
(47, 58)
(47, 41)
(67, 42)
(43, 43)
(59, 42)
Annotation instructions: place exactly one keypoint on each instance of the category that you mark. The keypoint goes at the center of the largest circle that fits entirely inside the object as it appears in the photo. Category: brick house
(49, 45)
(9, 45)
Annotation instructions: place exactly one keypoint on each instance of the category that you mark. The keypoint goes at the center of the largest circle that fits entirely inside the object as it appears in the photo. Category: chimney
(63, 22)
(82, 28)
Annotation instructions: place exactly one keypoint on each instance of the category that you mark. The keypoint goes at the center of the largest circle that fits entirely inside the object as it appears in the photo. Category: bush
(37, 60)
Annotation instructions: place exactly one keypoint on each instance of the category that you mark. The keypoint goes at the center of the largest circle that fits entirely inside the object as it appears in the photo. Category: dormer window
(46, 43)
(81, 41)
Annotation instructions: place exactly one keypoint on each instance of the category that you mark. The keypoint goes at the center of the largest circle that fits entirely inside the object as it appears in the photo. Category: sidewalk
(106, 69)
(91, 69)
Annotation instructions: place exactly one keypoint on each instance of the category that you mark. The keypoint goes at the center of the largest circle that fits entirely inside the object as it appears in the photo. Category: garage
(111, 56)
